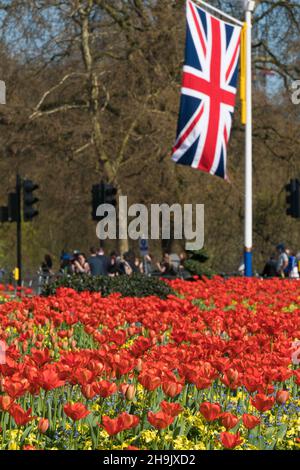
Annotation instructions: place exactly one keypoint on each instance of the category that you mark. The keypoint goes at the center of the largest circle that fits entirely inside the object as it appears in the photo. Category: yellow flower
(103, 434)
(96, 407)
(12, 445)
(149, 436)
(199, 446)
(87, 445)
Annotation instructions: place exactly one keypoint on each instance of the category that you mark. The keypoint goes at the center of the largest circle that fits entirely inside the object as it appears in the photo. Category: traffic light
(13, 207)
(29, 211)
(103, 193)
(110, 194)
(293, 198)
(3, 214)
(97, 199)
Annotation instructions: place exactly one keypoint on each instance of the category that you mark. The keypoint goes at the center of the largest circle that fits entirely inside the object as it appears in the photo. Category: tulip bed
(212, 367)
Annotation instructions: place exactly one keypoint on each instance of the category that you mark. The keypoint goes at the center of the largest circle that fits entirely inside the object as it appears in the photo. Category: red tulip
(228, 420)
(88, 390)
(149, 381)
(210, 411)
(20, 416)
(231, 379)
(49, 379)
(172, 389)
(128, 421)
(250, 421)
(229, 440)
(262, 402)
(160, 420)
(40, 357)
(111, 425)
(83, 376)
(5, 402)
(172, 409)
(43, 425)
(202, 383)
(16, 389)
(297, 376)
(105, 388)
(76, 411)
(282, 396)
(123, 422)
(130, 392)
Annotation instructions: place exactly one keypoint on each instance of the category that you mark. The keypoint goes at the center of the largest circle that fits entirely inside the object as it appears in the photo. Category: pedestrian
(66, 266)
(292, 268)
(45, 271)
(282, 261)
(80, 264)
(165, 266)
(128, 265)
(270, 268)
(138, 264)
(147, 265)
(114, 264)
(98, 262)
(46, 266)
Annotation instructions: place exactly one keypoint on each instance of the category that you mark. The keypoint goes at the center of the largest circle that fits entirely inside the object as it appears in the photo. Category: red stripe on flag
(189, 130)
(225, 135)
(233, 59)
(198, 84)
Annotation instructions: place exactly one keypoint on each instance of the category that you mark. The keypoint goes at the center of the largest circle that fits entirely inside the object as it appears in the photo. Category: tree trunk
(123, 243)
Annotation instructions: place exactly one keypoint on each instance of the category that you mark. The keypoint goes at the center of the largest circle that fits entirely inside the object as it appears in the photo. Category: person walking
(282, 261)
(292, 269)
(147, 265)
(45, 272)
(270, 268)
(46, 266)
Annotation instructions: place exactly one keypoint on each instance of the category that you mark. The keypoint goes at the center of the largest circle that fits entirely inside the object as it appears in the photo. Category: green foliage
(196, 263)
(136, 285)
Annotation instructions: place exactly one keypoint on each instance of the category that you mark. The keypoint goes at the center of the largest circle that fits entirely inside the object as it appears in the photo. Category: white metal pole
(217, 10)
(249, 6)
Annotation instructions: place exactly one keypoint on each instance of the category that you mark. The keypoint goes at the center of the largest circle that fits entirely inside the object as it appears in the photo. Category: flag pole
(220, 12)
(249, 8)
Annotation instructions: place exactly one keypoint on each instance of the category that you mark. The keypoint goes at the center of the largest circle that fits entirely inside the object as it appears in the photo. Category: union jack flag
(208, 92)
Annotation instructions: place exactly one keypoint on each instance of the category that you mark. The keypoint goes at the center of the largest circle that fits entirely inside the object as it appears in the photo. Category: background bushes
(136, 285)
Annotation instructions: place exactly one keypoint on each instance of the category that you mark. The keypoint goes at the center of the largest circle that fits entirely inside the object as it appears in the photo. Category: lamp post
(249, 8)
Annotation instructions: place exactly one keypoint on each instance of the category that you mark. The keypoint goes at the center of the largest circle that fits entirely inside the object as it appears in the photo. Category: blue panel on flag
(229, 31)
(233, 81)
(221, 170)
(191, 56)
(188, 107)
(189, 156)
(202, 15)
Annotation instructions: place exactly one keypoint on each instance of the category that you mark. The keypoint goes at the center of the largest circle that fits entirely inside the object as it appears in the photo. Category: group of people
(285, 263)
(98, 264)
